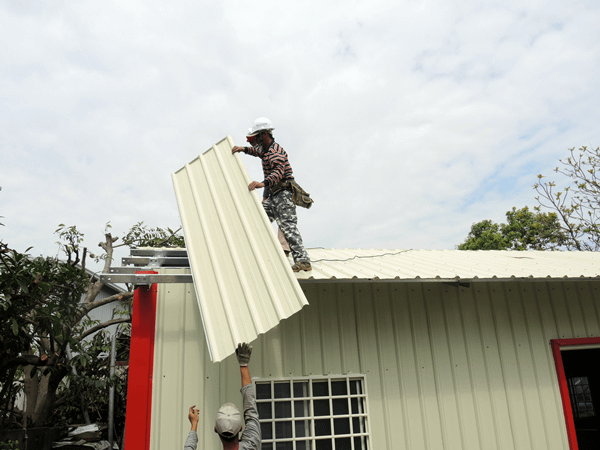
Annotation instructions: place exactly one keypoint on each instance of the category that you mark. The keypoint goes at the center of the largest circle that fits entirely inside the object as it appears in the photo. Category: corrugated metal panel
(446, 367)
(448, 264)
(183, 372)
(244, 284)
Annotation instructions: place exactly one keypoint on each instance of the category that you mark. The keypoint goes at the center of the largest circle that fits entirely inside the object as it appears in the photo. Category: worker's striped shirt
(276, 165)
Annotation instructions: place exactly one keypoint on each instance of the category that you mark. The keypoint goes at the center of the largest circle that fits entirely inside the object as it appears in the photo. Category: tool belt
(299, 196)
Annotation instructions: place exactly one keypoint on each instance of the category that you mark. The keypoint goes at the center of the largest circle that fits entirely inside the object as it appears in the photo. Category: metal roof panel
(386, 264)
(243, 282)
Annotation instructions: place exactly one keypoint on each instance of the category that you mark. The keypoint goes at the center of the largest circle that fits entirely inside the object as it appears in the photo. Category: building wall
(446, 367)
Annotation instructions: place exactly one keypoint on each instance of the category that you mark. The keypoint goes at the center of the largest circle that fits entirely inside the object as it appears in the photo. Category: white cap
(229, 420)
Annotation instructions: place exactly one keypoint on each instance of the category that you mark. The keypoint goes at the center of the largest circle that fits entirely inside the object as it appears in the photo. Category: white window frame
(310, 437)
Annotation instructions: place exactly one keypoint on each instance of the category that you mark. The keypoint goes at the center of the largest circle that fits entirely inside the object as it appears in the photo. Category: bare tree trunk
(47, 395)
(41, 405)
(31, 385)
(6, 395)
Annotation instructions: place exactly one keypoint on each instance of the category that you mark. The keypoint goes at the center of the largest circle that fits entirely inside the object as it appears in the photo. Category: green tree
(578, 203)
(42, 316)
(523, 230)
(89, 383)
(484, 235)
(141, 235)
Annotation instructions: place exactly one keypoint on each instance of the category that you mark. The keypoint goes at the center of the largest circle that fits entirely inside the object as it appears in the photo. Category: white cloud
(406, 121)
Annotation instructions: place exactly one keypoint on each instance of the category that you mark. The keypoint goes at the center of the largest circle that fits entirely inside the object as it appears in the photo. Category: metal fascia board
(243, 281)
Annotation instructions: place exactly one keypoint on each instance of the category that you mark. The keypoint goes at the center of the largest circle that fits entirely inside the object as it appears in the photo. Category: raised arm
(243, 353)
(192, 440)
(252, 434)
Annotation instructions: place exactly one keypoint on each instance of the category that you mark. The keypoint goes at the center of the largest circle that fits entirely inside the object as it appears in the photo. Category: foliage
(70, 241)
(39, 298)
(484, 235)
(578, 204)
(527, 230)
(42, 315)
(92, 380)
(8, 445)
(50, 349)
(524, 230)
(141, 235)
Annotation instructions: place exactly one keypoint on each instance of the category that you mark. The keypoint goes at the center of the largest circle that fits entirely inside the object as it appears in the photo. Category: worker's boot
(302, 265)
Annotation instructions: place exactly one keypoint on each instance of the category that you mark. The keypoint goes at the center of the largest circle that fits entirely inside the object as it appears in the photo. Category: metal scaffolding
(149, 260)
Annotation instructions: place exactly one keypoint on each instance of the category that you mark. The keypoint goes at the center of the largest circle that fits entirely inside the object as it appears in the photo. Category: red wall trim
(577, 341)
(562, 382)
(141, 368)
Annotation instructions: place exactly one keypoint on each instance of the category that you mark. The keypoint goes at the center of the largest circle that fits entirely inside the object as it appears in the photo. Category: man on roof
(228, 423)
(284, 245)
(278, 179)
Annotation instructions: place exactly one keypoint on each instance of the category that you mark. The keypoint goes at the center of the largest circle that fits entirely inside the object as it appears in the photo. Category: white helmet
(261, 124)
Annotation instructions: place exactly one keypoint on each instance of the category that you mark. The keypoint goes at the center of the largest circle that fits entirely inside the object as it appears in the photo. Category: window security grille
(324, 413)
(581, 397)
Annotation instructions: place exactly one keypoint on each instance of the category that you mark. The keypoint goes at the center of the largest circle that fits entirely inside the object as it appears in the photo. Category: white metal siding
(244, 284)
(447, 367)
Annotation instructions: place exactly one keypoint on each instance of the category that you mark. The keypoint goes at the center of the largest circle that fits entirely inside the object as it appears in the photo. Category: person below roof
(277, 172)
(229, 422)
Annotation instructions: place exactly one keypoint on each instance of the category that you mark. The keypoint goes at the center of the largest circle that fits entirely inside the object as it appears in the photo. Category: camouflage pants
(279, 207)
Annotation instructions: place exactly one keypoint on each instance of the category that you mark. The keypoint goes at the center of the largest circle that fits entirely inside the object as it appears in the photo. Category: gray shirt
(251, 436)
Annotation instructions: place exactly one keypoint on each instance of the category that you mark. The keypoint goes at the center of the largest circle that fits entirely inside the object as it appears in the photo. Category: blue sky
(407, 121)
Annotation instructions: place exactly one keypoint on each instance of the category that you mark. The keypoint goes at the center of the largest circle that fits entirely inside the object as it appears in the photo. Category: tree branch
(61, 400)
(87, 307)
(107, 246)
(101, 326)
(15, 410)
(30, 360)
(94, 288)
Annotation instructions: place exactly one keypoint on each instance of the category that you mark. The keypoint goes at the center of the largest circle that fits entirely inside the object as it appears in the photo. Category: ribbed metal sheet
(243, 282)
(446, 367)
(448, 264)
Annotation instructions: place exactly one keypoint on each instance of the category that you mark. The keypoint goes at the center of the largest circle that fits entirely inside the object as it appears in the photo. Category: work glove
(243, 352)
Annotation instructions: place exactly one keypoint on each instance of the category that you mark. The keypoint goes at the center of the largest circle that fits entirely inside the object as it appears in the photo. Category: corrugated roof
(386, 264)
(243, 282)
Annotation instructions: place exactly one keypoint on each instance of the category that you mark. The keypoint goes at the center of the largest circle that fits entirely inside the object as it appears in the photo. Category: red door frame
(141, 367)
(562, 382)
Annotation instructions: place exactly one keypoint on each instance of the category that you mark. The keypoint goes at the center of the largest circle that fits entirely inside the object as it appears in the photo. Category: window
(578, 375)
(324, 413)
(581, 397)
